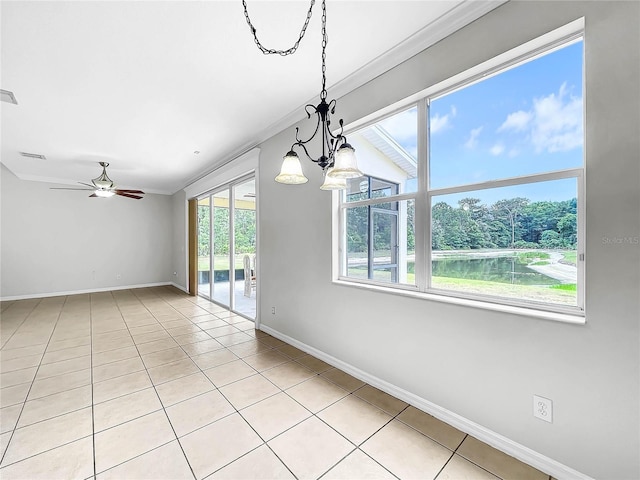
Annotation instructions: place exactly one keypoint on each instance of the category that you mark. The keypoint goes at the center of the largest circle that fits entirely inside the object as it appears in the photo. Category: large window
(476, 191)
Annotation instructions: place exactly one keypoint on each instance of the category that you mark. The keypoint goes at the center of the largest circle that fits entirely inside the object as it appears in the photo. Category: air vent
(7, 96)
(33, 155)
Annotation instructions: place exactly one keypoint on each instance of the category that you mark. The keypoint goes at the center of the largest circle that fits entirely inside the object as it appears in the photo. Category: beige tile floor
(151, 383)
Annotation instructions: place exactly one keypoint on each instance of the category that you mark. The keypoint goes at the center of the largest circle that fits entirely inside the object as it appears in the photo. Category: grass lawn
(220, 262)
(562, 294)
(570, 257)
(559, 294)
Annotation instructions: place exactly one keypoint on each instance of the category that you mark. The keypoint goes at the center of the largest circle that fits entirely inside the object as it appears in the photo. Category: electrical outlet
(543, 408)
(273, 310)
(118, 276)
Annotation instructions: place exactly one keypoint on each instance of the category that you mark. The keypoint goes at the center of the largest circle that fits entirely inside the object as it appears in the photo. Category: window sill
(576, 318)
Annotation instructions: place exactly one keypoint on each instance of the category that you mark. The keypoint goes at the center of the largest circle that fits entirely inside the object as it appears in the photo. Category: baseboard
(514, 449)
(90, 290)
(180, 287)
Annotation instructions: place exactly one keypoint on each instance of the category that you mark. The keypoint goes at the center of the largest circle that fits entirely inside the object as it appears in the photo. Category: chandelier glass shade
(337, 160)
(291, 170)
(333, 183)
(345, 164)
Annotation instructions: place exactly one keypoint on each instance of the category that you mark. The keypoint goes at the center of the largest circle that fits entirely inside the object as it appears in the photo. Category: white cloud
(516, 121)
(439, 123)
(472, 142)
(554, 124)
(403, 126)
(497, 149)
(558, 122)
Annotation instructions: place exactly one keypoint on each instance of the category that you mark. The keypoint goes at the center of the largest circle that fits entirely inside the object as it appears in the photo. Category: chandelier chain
(288, 51)
(323, 93)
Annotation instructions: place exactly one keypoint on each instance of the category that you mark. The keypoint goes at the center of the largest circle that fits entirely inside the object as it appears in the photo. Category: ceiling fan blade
(93, 195)
(65, 188)
(129, 191)
(122, 194)
(92, 187)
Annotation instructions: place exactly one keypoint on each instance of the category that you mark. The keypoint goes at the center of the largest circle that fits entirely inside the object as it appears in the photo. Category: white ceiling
(144, 84)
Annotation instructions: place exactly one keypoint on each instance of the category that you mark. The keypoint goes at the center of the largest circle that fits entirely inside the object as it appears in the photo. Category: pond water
(496, 269)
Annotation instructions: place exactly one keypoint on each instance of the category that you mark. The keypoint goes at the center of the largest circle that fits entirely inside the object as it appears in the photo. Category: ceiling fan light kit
(104, 193)
(338, 160)
(103, 187)
(103, 181)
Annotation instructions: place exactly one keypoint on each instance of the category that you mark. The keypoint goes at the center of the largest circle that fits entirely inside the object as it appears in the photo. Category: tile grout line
(54, 416)
(119, 302)
(264, 442)
(357, 446)
(223, 396)
(316, 374)
(445, 464)
(236, 411)
(93, 414)
(312, 414)
(469, 460)
(21, 323)
(154, 387)
(32, 382)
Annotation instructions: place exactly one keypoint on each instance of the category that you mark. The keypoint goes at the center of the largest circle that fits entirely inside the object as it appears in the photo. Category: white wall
(62, 241)
(484, 365)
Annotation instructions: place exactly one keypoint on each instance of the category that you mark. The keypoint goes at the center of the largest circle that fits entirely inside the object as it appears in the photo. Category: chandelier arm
(304, 147)
(302, 142)
(331, 108)
(328, 140)
(272, 51)
(306, 109)
(339, 134)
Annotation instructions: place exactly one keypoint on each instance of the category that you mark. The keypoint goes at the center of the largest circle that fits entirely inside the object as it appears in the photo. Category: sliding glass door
(221, 248)
(244, 241)
(227, 246)
(204, 247)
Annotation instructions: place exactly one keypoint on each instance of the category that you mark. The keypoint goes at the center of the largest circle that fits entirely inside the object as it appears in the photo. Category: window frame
(423, 197)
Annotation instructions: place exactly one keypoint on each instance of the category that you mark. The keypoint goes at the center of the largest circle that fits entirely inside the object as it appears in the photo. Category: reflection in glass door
(204, 247)
(384, 233)
(222, 273)
(244, 243)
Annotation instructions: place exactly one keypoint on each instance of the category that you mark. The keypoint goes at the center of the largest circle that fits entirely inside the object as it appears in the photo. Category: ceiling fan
(103, 187)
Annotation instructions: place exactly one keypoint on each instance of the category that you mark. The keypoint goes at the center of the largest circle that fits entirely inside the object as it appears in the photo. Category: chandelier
(337, 160)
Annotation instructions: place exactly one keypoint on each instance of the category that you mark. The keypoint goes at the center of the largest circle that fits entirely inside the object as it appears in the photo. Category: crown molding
(460, 15)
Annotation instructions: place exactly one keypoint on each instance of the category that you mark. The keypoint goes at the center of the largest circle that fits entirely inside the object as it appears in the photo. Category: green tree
(568, 230)
(500, 233)
(550, 239)
(411, 238)
(512, 210)
(245, 230)
(204, 229)
(357, 229)
(221, 231)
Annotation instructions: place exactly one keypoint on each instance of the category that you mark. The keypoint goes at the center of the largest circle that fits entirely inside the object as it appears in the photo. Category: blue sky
(528, 119)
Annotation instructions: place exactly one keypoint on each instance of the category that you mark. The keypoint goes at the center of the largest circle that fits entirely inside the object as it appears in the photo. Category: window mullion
(422, 215)
(580, 257)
